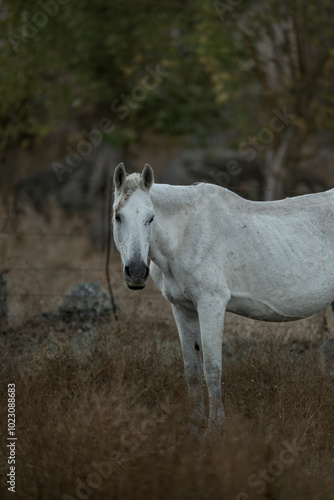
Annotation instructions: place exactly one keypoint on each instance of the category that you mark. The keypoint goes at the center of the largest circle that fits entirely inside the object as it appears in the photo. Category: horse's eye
(151, 219)
(117, 218)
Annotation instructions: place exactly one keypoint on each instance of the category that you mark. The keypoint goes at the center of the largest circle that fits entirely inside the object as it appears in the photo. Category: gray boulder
(86, 300)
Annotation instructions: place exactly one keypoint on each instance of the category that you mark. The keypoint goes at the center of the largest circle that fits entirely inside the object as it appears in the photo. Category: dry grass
(120, 404)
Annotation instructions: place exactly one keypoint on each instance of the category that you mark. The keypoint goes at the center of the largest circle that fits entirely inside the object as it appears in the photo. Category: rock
(86, 300)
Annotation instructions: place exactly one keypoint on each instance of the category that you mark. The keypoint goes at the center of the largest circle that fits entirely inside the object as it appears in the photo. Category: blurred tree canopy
(177, 68)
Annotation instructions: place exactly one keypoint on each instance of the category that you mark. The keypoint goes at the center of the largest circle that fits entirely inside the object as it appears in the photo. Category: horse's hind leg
(211, 316)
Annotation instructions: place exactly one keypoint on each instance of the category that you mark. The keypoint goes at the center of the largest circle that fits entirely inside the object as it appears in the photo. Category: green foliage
(225, 64)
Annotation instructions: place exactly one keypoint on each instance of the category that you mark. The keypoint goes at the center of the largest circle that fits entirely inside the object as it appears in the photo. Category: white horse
(212, 251)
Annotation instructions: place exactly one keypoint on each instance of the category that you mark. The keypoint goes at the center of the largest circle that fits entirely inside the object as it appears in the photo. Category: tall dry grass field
(102, 407)
(111, 422)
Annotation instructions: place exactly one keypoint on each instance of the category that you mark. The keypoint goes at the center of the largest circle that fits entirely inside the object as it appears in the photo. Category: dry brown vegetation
(119, 403)
(102, 408)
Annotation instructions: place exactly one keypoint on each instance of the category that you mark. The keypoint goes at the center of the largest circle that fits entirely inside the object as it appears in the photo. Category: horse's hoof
(214, 432)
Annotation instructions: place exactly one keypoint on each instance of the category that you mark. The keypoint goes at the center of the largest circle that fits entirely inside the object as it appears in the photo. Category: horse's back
(277, 258)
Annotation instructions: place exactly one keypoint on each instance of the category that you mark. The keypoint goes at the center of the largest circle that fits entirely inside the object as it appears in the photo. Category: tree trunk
(275, 170)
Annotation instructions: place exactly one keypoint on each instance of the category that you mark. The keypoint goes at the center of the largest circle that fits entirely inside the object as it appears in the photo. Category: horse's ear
(119, 176)
(147, 177)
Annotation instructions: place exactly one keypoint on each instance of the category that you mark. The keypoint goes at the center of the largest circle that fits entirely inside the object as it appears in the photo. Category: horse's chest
(173, 295)
(173, 292)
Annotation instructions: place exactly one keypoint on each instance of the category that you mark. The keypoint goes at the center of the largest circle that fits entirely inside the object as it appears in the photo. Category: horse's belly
(265, 311)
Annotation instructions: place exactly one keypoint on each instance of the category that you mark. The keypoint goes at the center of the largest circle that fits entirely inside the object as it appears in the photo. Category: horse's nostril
(136, 272)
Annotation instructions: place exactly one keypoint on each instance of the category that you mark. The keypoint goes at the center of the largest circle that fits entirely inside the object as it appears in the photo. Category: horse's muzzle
(136, 275)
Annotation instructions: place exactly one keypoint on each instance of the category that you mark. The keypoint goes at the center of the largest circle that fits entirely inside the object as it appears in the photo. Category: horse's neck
(172, 205)
(172, 199)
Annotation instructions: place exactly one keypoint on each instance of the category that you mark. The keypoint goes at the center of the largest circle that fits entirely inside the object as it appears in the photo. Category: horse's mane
(132, 182)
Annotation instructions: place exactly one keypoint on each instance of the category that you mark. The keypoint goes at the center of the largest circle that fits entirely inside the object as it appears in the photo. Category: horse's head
(133, 215)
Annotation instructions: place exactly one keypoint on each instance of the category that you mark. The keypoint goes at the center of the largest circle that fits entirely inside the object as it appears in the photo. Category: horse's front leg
(189, 332)
(211, 317)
